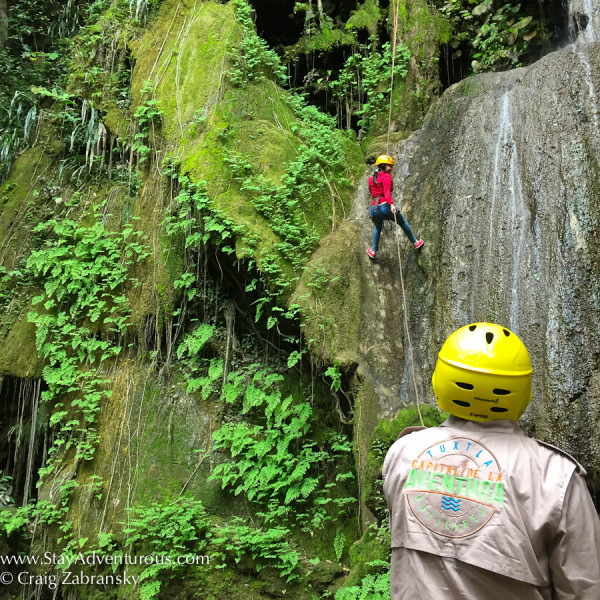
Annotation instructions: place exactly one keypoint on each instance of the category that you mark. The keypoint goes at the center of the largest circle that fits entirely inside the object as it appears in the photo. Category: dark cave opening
(276, 22)
(279, 26)
(23, 435)
(455, 62)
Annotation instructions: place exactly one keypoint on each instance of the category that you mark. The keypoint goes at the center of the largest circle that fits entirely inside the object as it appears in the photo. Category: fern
(338, 543)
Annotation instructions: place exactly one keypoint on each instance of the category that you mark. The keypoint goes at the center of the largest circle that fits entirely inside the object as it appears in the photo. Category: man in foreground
(478, 510)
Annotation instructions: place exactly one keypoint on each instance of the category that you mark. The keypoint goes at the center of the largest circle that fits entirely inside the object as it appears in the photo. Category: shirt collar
(498, 426)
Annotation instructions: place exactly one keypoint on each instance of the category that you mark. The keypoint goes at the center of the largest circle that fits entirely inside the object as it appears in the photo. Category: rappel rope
(395, 8)
(410, 350)
(395, 12)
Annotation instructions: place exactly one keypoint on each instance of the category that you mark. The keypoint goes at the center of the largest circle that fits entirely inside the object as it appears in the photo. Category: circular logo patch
(455, 487)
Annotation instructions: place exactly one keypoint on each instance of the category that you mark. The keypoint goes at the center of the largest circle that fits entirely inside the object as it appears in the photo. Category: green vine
(253, 59)
(83, 271)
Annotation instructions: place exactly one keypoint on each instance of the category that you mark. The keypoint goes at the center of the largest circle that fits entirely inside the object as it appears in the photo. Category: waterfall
(582, 54)
(507, 177)
(584, 20)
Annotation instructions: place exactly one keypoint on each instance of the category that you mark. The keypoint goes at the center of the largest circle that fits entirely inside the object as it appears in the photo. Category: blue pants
(384, 213)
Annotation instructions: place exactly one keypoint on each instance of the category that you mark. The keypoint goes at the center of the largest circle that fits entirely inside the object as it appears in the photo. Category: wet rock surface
(502, 181)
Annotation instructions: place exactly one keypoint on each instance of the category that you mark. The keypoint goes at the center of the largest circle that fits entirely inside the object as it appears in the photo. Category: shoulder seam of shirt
(409, 430)
(564, 453)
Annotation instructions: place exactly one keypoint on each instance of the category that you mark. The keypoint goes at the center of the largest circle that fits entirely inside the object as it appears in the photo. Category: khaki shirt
(481, 503)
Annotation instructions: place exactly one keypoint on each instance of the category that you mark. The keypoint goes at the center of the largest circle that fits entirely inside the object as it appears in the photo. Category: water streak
(592, 14)
(582, 54)
(584, 20)
(506, 160)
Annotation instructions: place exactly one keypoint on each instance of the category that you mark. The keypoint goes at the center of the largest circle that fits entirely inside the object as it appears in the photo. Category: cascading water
(584, 19)
(502, 182)
(585, 25)
(506, 176)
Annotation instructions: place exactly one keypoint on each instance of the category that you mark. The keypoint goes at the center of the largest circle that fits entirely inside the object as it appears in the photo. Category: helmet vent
(464, 386)
(489, 336)
(462, 403)
(501, 392)
(506, 332)
(472, 327)
(498, 409)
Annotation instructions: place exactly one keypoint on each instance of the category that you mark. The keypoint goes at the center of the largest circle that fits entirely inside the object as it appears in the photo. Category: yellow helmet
(483, 373)
(384, 159)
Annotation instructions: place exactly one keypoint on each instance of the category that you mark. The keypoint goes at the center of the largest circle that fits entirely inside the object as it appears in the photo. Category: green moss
(23, 197)
(385, 434)
(330, 293)
(366, 550)
(470, 87)
(18, 353)
(185, 58)
(366, 16)
(365, 421)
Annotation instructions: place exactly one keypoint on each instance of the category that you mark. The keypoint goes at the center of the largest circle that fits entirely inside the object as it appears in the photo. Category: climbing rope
(395, 8)
(410, 350)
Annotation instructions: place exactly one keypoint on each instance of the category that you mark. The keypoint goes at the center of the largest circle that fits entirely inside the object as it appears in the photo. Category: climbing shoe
(416, 245)
(370, 253)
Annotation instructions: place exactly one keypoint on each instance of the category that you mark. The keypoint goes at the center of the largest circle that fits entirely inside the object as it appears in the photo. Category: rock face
(502, 181)
(584, 19)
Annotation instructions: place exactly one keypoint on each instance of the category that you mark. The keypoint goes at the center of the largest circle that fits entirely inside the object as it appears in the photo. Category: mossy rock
(379, 145)
(385, 434)
(370, 548)
(330, 294)
(18, 352)
(206, 121)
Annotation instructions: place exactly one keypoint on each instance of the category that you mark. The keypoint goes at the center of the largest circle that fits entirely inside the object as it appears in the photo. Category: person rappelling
(382, 207)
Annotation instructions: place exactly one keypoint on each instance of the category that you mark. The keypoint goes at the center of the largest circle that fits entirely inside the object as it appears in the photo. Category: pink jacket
(382, 190)
(489, 499)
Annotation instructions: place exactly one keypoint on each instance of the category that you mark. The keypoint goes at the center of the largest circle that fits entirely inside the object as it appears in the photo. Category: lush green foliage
(148, 115)
(253, 59)
(372, 587)
(166, 530)
(497, 32)
(274, 463)
(5, 490)
(365, 83)
(294, 475)
(362, 86)
(308, 180)
(82, 270)
(267, 547)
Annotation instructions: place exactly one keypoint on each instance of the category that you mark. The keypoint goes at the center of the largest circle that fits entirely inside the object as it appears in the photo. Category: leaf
(482, 8)
(338, 543)
(294, 358)
(523, 23)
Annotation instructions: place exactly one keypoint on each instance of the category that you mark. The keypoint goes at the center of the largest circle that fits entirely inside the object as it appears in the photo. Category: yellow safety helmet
(384, 159)
(483, 373)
